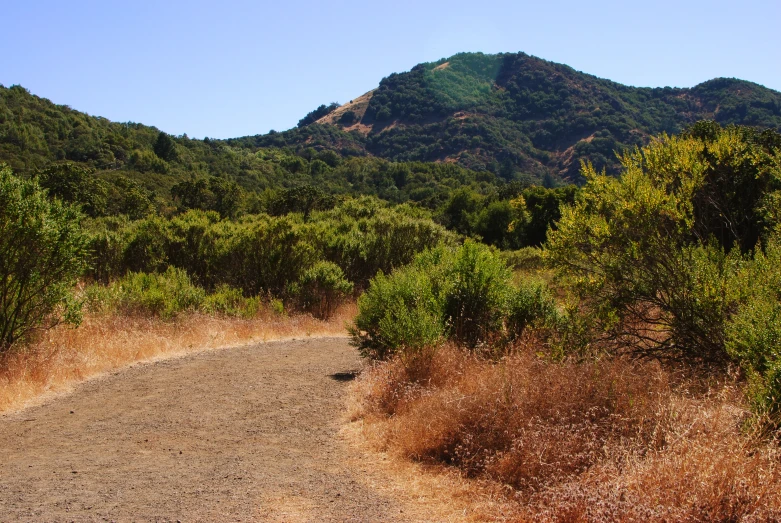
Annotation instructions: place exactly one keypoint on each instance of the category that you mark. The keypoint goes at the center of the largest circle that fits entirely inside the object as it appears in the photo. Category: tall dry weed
(609, 440)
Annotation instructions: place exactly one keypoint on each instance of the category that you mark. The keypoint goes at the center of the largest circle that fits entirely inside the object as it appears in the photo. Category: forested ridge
(517, 115)
(511, 115)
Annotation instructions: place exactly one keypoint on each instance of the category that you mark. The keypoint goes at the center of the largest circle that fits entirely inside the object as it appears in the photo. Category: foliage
(475, 293)
(318, 113)
(400, 312)
(321, 289)
(165, 147)
(531, 305)
(511, 217)
(463, 294)
(42, 253)
(650, 253)
(262, 254)
(166, 295)
(215, 194)
(753, 334)
(74, 184)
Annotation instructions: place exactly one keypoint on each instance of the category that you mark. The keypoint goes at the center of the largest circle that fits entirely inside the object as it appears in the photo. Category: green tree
(165, 147)
(42, 253)
(75, 184)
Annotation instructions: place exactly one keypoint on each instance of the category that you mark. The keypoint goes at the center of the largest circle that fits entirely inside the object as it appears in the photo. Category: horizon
(245, 69)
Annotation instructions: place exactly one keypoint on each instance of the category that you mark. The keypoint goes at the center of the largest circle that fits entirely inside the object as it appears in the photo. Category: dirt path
(244, 434)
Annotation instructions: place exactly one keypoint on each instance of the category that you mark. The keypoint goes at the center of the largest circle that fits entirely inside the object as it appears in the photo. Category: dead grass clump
(609, 440)
(713, 477)
(65, 356)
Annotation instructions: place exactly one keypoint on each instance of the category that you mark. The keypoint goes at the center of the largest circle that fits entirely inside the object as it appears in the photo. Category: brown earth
(252, 433)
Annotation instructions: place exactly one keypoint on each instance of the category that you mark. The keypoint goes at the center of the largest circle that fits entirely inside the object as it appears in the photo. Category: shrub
(398, 312)
(164, 295)
(650, 254)
(753, 334)
(146, 248)
(531, 304)
(461, 294)
(261, 254)
(475, 299)
(42, 253)
(321, 289)
(231, 302)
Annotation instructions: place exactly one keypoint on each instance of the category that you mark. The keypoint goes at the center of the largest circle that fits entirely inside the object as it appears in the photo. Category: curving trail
(244, 434)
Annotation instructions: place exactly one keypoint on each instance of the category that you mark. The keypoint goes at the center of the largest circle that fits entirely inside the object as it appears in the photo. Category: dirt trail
(244, 434)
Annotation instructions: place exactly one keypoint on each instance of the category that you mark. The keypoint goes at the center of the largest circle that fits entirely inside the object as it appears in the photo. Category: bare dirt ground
(253, 433)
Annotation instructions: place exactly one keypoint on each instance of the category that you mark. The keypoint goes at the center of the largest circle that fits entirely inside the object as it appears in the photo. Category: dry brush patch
(610, 440)
(65, 356)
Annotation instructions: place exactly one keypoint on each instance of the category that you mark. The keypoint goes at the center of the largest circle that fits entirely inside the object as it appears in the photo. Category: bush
(231, 302)
(398, 312)
(475, 298)
(461, 294)
(531, 305)
(164, 295)
(42, 253)
(753, 334)
(321, 289)
(651, 254)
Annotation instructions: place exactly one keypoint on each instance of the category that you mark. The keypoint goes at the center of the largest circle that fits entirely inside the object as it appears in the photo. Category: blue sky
(235, 68)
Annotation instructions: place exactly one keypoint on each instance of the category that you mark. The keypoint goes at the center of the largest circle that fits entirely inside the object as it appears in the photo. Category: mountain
(516, 114)
(475, 119)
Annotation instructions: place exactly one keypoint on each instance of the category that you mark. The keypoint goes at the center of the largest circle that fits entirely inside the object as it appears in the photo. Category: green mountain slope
(514, 113)
(509, 115)
(139, 169)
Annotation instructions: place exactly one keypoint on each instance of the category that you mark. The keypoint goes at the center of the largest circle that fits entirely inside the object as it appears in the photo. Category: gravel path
(244, 434)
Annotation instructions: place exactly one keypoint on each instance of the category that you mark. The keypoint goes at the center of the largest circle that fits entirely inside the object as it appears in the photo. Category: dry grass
(66, 356)
(613, 440)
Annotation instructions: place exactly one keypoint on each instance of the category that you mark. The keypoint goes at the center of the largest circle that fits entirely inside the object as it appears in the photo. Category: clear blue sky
(235, 68)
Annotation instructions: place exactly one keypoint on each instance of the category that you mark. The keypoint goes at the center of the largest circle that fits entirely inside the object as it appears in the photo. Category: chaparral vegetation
(564, 286)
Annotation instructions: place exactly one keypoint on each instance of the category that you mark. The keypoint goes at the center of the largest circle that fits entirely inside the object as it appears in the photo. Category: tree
(75, 184)
(42, 253)
(318, 113)
(165, 147)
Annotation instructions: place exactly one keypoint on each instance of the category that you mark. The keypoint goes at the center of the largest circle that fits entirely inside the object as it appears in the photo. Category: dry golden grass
(65, 356)
(613, 440)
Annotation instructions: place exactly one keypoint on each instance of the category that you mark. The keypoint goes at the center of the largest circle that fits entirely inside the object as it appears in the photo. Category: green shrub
(476, 297)
(231, 302)
(261, 254)
(753, 334)
(146, 247)
(461, 294)
(398, 312)
(364, 237)
(164, 295)
(651, 254)
(321, 289)
(42, 253)
(530, 305)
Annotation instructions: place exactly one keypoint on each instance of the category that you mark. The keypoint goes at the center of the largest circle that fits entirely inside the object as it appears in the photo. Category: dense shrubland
(654, 371)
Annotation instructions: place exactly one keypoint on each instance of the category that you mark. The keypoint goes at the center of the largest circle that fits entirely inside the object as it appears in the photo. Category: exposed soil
(244, 434)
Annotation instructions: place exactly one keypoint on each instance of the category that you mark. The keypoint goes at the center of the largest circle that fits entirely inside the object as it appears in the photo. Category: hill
(471, 119)
(517, 114)
(136, 169)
